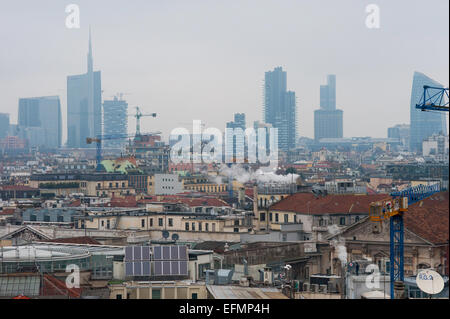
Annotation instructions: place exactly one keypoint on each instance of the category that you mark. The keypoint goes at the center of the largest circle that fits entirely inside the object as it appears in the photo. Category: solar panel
(128, 253)
(157, 253)
(183, 252)
(166, 268)
(183, 268)
(175, 267)
(146, 270)
(145, 253)
(174, 252)
(129, 269)
(166, 252)
(165, 261)
(137, 253)
(158, 268)
(137, 267)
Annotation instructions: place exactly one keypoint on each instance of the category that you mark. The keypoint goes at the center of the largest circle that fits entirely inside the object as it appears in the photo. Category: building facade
(328, 121)
(40, 121)
(280, 108)
(84, 101)
(423, 124)
(115, 121)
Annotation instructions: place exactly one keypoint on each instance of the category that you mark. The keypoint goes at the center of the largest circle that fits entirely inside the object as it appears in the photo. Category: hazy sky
(193, 59)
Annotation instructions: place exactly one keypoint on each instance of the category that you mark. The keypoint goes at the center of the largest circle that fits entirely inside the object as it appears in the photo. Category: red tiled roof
(128, 201)
(75, 240)
(7, 211)
(307, 203)
(429, 220)
(75, 203)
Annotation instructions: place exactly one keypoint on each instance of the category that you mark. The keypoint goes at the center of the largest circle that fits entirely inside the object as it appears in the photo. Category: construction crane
(393, 209)
(434, 99)
(138, 116)
(98, 140)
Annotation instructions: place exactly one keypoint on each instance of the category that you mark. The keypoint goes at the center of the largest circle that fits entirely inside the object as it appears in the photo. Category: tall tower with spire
(84, 100)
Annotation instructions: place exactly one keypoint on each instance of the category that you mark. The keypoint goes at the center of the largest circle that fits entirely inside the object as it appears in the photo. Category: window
(156, 293)
(110, 185)
(117, 185)
(199, 226)
(236, 222)
(170, 222)
(356, 219)
(123, 184)
(108, 224)
(193, 226)
(194, 296)
(214, 227)
(160, 221)
(270, 216)
(151, 222)
(286, 218)
(262, 217)
(276, 217)
(142, 222)
(342, 221)
(206, 226)
(236, 230)
(103, 223)
(186, 226)
(118, 296)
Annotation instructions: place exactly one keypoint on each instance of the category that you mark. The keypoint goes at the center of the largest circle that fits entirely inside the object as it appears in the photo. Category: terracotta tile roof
(429, 220)
(75, 240)
(8, 211)
(75, 203)
(128, 201)
(307, 203)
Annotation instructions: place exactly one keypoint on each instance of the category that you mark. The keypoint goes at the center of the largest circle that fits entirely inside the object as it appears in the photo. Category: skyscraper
(280, 108)
(4, 125)
(40, 122)
(423, 124)
(84, 101)
(235, 140)
(115, 121)
(328, 121)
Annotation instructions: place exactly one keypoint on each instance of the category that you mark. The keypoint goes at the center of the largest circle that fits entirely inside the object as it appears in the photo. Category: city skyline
(152, 82)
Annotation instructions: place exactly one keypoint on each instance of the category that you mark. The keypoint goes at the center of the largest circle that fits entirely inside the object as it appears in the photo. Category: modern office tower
(84, 102)
(4, 125)
(115, 121)
(328, 121)
(235, 139)
(423, 124)
(401, 132)
(280, 108)
(40, 122)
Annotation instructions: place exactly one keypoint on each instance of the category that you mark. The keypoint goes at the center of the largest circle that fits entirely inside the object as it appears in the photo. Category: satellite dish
(165, 234)
(175, 237)
(430, 281)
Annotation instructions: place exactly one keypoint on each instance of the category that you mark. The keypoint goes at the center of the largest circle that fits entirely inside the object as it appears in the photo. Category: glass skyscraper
(84, 102)
(280, 108)
(4, 125)
(115, 121)
(328, 121)
(423, 124)
(40, 122)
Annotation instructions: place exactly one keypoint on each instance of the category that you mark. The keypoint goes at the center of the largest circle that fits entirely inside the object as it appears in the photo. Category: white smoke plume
(262, 175)
(338, 244)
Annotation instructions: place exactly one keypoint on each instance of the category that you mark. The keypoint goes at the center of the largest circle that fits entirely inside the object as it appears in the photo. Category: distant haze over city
(206, 60)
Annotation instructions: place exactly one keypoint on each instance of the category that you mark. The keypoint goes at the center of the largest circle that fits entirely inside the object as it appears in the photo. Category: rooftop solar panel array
(156, 261)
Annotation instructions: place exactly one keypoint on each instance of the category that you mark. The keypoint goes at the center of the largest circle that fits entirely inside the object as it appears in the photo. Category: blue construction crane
(393, 209)
(98, 140)
(433, 99)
